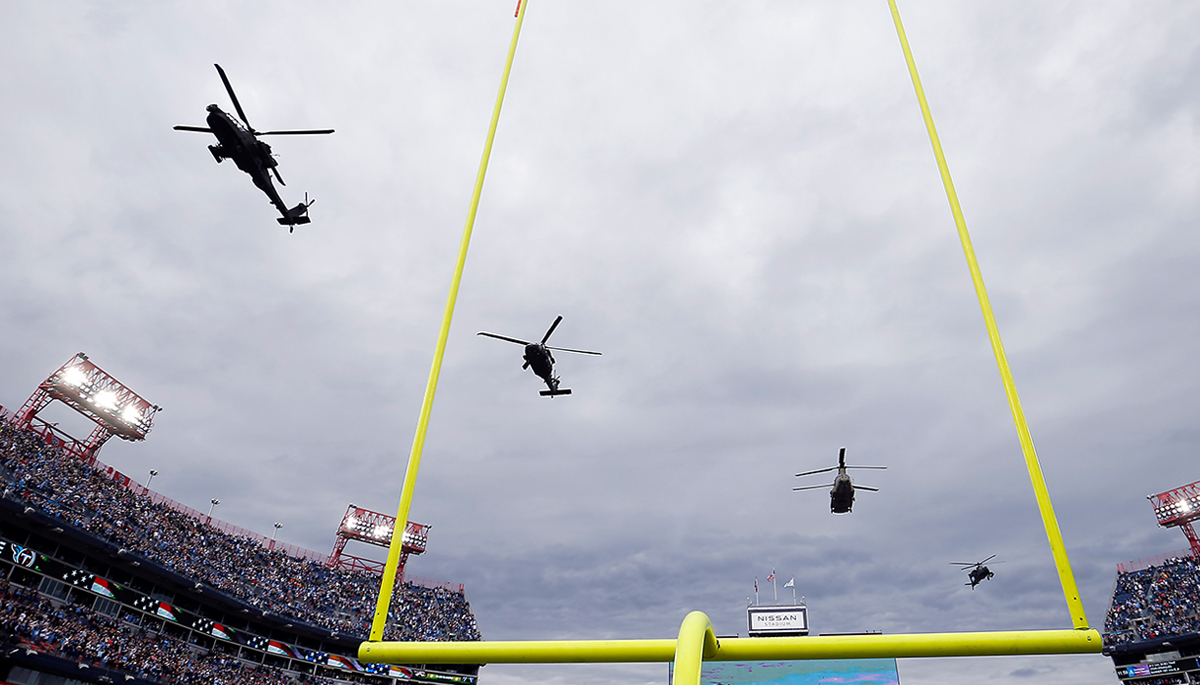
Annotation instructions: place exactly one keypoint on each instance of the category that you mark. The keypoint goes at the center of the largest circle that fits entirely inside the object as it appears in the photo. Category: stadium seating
(1154, 602)
(240, 575)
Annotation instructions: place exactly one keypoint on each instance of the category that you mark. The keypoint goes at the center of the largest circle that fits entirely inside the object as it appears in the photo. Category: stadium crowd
(1155, 602)
(340, 600)
(77, 633)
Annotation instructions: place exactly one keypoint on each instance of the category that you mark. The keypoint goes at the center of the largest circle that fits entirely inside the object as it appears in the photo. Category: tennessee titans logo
(23, 555)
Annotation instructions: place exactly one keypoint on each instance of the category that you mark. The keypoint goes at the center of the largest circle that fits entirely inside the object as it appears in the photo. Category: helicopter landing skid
(552, 393)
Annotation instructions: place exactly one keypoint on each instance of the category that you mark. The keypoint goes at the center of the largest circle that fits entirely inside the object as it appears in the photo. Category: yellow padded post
(696, 643)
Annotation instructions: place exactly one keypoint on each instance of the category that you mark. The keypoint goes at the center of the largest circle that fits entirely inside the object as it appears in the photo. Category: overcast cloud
(735, 202)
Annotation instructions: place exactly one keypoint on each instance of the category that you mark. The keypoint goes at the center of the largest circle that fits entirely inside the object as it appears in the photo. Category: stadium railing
(1143, 564)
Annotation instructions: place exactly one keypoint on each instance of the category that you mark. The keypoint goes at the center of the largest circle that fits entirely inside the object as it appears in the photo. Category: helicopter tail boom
(295, 215)
(552, 393)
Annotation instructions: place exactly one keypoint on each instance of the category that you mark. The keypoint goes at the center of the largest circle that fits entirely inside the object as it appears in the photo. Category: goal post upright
(382, 606)
(1049, 521)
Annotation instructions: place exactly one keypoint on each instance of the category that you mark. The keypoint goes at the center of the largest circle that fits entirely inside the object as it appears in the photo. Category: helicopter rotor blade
(864, 487)
(988, 559)
(233, 96)
(197, 129)
(866, 467)
(813, 487)
(841, 457)
(551, 329)
(504, 337)
(809, 473)
(567, 349)
(278, 177)
(301, 132)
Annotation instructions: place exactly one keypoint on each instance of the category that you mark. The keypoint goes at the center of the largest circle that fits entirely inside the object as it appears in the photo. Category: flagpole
(755, 590)
(774, 587)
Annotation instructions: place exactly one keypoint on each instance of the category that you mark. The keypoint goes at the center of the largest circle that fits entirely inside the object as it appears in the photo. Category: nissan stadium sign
(777, 620)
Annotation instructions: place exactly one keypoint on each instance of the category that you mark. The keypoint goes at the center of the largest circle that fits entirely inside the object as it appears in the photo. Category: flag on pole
(791, 583)
(756, 585)
(772, 576)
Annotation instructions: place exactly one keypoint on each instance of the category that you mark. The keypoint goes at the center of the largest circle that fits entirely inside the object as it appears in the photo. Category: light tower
(1177, 509)
(374, 528)
(86, 388)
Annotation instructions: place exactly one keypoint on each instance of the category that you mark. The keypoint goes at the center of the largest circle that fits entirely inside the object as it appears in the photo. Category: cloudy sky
(735, 202)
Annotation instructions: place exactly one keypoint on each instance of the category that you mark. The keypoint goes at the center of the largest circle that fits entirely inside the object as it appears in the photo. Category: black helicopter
(537, 355)
(251, 155)
(977, 572)
(841, 497)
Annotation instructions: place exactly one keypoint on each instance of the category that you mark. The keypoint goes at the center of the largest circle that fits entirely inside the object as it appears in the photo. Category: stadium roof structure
(91, 391)
(1178, 508)
(696, 641)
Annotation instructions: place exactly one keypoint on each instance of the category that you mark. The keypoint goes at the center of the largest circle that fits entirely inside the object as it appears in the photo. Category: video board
(802, 672)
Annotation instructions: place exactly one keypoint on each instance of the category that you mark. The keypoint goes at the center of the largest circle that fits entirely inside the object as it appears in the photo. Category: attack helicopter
(841, 497)
(537, 356)
(976, 572)
(251, 155)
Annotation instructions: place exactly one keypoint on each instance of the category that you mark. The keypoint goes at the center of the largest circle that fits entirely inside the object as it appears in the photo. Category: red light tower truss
(374, 528)
(1177, 509)
(89, 390)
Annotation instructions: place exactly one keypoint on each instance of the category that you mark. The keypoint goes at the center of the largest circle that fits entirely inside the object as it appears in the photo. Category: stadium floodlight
(1178, 508)
(73, 377)
(375, 529)
(215, 502)
(153, 473)
(105, 399)
(132, 414)
(89, 390)
(277, 525)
